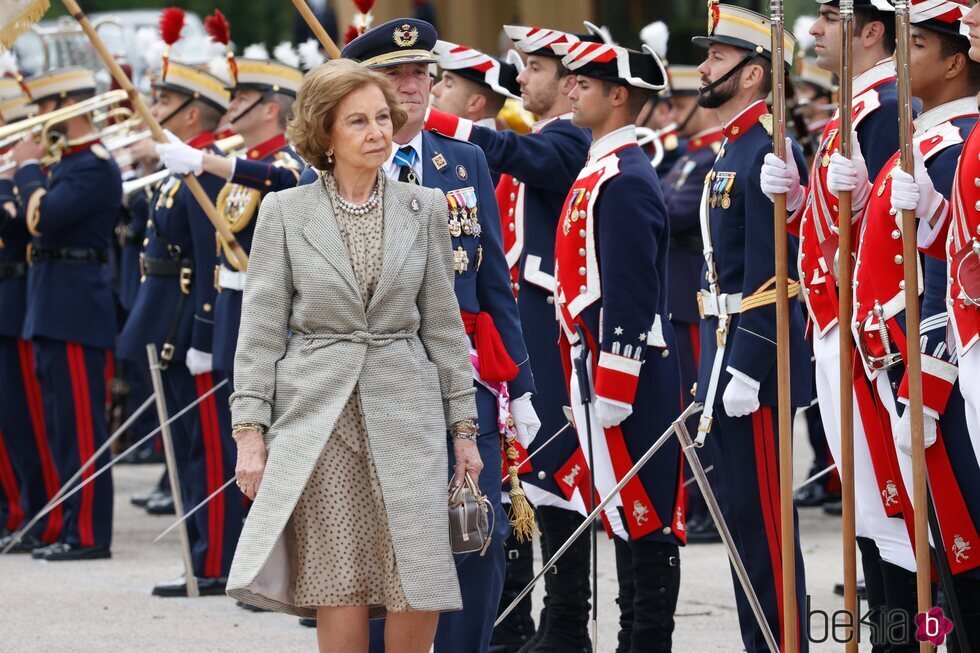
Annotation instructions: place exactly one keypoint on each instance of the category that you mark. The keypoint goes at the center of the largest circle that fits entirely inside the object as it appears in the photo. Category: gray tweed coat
(408, 351)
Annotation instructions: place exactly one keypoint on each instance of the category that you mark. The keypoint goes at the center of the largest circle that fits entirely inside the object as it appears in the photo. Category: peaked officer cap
(403, 40)
(745, 29)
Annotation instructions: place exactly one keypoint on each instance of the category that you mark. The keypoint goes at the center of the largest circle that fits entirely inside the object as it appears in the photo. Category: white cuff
(747, 380)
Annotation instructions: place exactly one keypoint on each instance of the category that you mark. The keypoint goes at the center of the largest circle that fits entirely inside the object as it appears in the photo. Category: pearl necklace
(359, 209)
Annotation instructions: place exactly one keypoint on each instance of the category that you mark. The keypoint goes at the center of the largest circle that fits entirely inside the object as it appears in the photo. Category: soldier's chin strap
(752, 54)
(183, 105)
(261, 100)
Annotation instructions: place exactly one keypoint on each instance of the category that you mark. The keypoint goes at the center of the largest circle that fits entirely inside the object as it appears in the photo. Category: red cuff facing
(617, 377)
(938, 378)
(448, 124)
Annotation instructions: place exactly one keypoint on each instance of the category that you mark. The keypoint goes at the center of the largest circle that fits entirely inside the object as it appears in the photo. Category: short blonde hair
(320, 94)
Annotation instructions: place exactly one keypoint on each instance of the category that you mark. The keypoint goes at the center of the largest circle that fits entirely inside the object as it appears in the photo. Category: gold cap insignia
(406, 36)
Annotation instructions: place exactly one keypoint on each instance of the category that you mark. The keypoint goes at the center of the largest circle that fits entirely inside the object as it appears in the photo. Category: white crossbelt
(230, 279)
(713, 304)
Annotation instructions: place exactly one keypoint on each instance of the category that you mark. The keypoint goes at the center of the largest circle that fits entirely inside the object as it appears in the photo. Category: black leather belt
(12, 270)
(690, 242)
(71, 254)
(164, 267)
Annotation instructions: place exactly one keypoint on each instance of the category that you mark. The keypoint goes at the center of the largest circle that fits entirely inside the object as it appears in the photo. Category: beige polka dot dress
(341, 545)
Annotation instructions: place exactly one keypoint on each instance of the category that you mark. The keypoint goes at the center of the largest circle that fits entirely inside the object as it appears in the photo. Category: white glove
(850, 175)
(740, 398)
(198, 362)
(778, 177)
(611, 414)
(526, 420)
(179, 157)
(903, 432)
(915, 193)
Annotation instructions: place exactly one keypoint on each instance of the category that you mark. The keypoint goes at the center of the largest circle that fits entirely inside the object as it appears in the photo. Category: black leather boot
(626, 597)
(567, 626)
(656, 583)
(874, 592)
(968, 595)
(517, 629)
(900, 597)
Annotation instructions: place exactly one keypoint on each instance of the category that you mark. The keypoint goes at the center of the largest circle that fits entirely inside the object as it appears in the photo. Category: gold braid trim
(766, 294)
(34, 211)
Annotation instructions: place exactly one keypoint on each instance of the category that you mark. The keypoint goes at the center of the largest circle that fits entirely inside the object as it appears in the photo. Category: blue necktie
(405, 159)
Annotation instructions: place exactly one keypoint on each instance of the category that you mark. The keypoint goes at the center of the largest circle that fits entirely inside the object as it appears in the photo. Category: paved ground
(106, 605)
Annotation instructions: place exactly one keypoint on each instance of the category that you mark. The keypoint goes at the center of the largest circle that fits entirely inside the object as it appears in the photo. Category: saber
(687, 446)
(190, 512)
(815, 477)
(19, 535)
(112, 462)
(694, 480)
(539, 449)
(585, 525)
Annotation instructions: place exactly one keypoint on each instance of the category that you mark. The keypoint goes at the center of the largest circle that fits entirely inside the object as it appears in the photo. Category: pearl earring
(330, 155)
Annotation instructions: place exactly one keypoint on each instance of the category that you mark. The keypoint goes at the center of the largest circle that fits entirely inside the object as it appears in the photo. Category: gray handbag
(469, 528)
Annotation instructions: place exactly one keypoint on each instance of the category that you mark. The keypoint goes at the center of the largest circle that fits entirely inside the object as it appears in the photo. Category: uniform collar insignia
(270, 146)
(744, 121)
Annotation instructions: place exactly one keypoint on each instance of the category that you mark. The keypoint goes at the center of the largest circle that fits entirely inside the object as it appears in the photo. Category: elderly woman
(352, 364)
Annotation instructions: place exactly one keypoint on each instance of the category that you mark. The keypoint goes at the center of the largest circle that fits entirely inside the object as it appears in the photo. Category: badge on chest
(167, 193)
(463, 212)
(237, 205)
(721, 190)
(574, 212)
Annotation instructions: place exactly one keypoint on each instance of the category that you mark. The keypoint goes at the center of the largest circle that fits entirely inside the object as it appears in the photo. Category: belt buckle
(217, 278)
(185, 280)
(701, 304)
(166, 354)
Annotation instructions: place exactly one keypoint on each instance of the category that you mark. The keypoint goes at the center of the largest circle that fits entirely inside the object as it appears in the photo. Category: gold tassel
(24, 16)
(521, 514)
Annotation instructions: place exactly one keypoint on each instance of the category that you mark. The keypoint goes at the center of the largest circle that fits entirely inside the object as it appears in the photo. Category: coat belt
(314, 341)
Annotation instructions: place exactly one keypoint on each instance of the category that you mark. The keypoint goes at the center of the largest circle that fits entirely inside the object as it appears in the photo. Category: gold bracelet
(241, 427)
(465, 429)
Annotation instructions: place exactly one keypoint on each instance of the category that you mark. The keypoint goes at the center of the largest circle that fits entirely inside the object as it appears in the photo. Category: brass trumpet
(226, 146)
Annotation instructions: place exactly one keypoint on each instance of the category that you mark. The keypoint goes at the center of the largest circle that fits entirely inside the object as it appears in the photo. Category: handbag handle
(455, 491)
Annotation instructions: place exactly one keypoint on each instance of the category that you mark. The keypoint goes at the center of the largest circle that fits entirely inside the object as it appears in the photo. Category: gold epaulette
(766, 294)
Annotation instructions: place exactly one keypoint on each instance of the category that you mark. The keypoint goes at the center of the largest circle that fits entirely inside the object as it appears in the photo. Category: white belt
(230, 279)
(712, 305)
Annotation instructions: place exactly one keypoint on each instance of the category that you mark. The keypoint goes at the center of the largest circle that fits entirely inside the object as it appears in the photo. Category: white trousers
(869, 512)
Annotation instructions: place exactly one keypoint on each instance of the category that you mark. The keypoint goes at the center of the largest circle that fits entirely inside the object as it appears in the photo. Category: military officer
(31, 478)
(174, 310)
(610, 291)
(70, 313)
(402, 50)
(263, 93)
(737, 380)
(884, 544)
(537, 170)
(945, 79)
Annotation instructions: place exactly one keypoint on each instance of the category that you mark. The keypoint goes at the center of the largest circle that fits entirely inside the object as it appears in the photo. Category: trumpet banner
(17, 16)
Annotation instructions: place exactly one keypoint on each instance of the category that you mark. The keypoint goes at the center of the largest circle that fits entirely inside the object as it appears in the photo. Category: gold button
(146, 241)
(207, 308)
(149, 224)
(268, 183)
(735, 131)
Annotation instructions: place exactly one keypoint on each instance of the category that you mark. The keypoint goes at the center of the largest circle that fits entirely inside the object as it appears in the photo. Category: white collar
(878, 72)
(612, 141)
(489, 123)
(936, 116)
(415, 143)
(539, 125)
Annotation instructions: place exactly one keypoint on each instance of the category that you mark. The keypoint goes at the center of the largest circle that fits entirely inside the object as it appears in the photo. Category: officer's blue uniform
(71, 319)
(745, 449)
(682, 187)
(672, 154)
(22, 427)
(269, 167)
(131, 234)
(174, 310)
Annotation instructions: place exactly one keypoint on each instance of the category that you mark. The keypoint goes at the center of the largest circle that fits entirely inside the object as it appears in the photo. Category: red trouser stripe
(83, 429)
(110, 373)
(8, 481)
(35, 409)
(211, 433)
(769, 505)
(695, 333)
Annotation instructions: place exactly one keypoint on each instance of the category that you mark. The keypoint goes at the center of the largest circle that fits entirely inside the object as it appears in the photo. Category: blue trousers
(745, 480)
(72, 378)
(137, 376)
(481, 578)
(26, 438)
(205, 456)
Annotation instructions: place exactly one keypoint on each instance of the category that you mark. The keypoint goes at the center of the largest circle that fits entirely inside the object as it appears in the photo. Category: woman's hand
(251, 462)
(467, 461)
